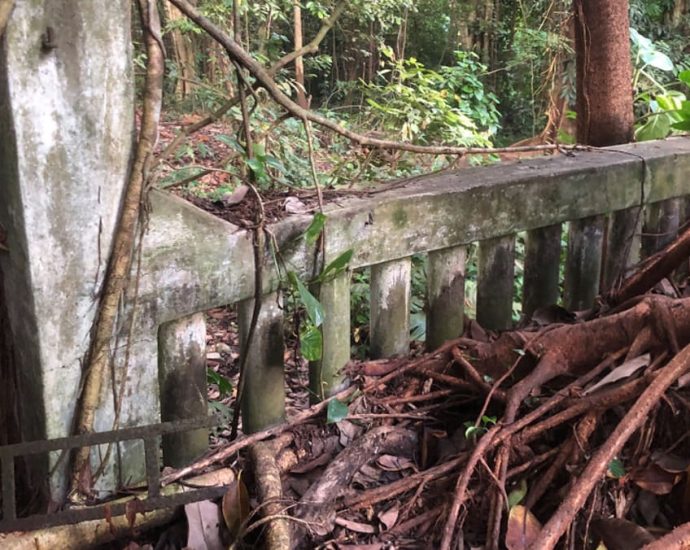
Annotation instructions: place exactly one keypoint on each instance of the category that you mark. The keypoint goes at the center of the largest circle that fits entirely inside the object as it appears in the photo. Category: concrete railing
(193, 261)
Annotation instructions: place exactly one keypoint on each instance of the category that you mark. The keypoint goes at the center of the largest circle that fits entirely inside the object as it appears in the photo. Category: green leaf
(230, 142)
(259, 151)
(518, 494)
(315, 228)
(472, 431)
(336, 267)
(657, 60)
(616, 468)
(486, 420)
(683, 125)
(258, 166)
(309, 301)
(418, 326)
(684, 76)
(671, 101)
(639, 40)
(311, 342)
(224, 385)
(337, 411)
(657, 127)
(275, 163)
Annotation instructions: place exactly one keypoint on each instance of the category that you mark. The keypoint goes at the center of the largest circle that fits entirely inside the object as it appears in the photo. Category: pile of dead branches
(572, 434)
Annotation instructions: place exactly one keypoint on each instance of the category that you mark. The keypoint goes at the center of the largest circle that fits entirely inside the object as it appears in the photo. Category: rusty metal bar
(101, 438)
(153, 472)
(63, 517)
(149, 434)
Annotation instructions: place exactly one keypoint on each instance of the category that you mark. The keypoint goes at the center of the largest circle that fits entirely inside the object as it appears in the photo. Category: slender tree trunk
(487, 32)
(183, 53)
(604, 117)
(680, 8)
(401, 40)
(299, 64)
(604, 72)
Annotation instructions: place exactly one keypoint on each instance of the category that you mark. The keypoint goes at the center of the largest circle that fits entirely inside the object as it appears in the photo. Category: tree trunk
(680, 8)
(605, 115)
(299, 65)
(604, 72)
(183, 54)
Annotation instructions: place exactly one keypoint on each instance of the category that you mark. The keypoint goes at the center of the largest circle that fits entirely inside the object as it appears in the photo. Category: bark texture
(604, 72)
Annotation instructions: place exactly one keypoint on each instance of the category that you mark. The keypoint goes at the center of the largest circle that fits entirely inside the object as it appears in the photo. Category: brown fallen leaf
(132, 508)
(356, 526)
(621, 534)
(670, 463)
(625, 370)
(235, 507)
(108, 516)
(390, 517)
(523, 529)
(653, 479)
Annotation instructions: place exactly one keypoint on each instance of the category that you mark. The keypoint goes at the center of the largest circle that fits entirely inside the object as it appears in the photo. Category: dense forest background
(459, 72)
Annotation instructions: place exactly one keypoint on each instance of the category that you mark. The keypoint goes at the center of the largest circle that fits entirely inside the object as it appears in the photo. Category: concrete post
(263, 402)
(583, 266)
(495, 283)
(325, 375)
(542, 261)
(446, 295)
(182, 376)
(66, 117)
(390, 308)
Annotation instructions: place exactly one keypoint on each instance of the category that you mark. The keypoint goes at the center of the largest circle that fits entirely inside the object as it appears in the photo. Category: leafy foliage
(664, 110)
(418, 104)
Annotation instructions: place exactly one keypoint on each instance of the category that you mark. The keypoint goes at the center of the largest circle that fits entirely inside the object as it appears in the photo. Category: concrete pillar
(325, 376)
(446, 295)
(390, 308)
(263, 402)
(495, 283)
(182, 380)
(66, 117)
(583, 266)
(542, 261)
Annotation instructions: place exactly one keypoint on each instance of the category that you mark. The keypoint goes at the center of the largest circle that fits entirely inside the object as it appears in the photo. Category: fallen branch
(317, 505)
(99, 532)
(264, 78)
(460, 494)
(654, 269)
(242, 442)
(385, 492)
(270, 492)
(678, 539)
(597, 466)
